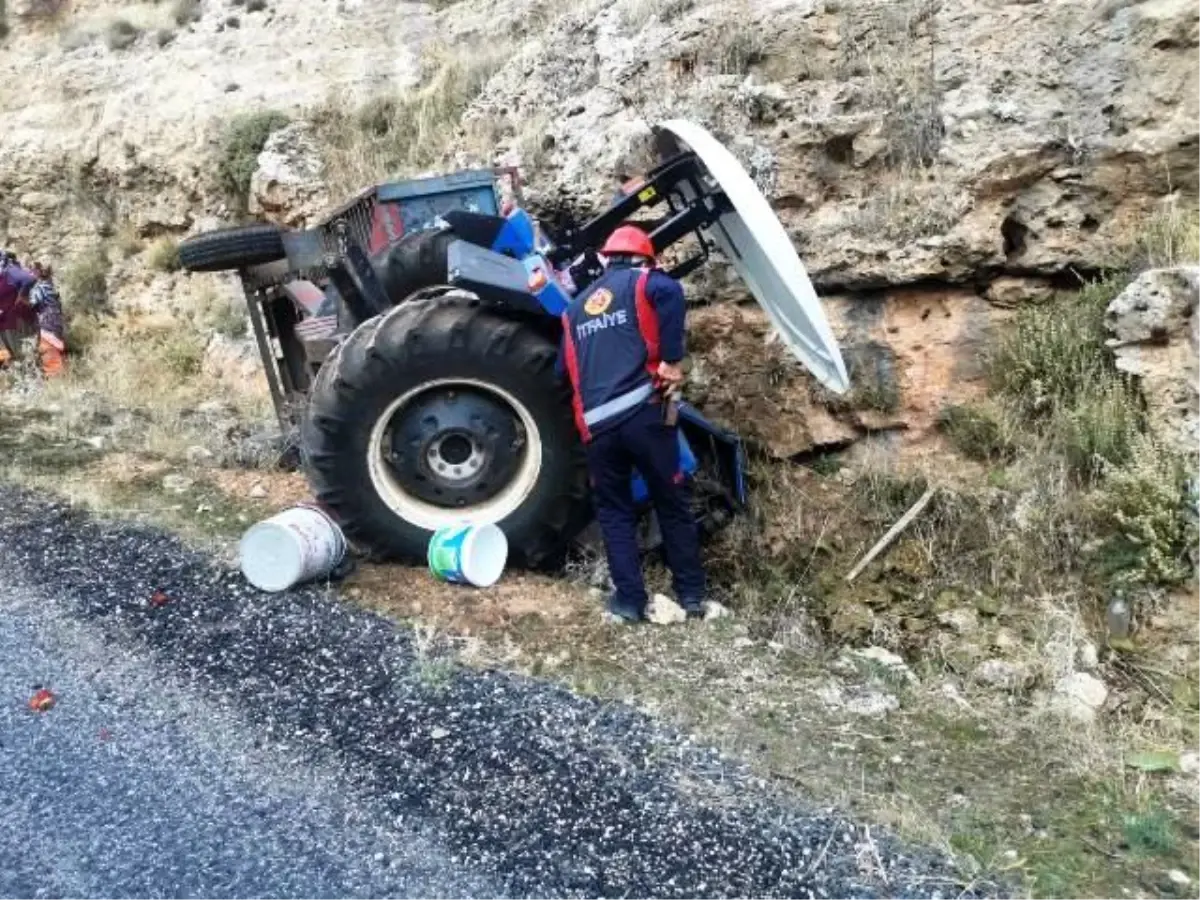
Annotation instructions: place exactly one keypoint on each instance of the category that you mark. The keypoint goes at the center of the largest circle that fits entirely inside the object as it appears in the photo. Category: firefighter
(44, 299)
(623, 343)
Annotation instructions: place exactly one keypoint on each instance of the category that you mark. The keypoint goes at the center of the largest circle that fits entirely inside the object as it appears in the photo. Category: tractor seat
(480, 229)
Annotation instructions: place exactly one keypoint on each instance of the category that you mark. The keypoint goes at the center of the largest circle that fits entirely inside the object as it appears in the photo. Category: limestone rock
(176, 484)
(961, 620)
(714, 610)
(1086, 656)
(234, 361)
(1156, 336)
(198, 455)
(662, 610)
(1078, 696)
(1008, 291)
(1001, 674)
(909, 354)
(289, 187)
(1032, 137)
(887, 661)
(864, 702)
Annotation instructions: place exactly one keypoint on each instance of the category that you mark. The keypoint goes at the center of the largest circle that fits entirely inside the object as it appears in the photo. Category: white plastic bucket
(292, 547)
(468, 554)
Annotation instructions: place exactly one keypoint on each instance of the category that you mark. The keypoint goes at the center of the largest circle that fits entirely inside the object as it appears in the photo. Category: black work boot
(625, 611)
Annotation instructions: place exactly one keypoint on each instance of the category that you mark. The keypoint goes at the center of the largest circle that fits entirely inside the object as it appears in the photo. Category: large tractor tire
(232, 248)
(442, 411)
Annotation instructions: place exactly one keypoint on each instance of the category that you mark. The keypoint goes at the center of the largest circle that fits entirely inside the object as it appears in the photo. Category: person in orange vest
(47, 305)
(623, 344)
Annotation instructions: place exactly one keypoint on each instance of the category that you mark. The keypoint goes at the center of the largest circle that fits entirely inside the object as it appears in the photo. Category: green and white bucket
(468, 554)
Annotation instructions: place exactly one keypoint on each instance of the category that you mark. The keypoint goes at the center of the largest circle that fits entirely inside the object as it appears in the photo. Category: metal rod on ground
(893, 532)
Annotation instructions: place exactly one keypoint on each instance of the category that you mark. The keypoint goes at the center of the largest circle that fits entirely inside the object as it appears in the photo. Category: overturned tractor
(412, 339)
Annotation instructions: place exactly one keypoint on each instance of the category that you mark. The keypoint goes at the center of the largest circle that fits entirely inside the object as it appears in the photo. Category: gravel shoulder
(380, 774)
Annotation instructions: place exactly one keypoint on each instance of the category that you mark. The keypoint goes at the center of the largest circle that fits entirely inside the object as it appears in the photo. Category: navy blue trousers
(644, 441)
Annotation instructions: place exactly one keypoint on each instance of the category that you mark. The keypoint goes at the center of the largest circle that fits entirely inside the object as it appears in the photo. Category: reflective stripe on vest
(618, 405)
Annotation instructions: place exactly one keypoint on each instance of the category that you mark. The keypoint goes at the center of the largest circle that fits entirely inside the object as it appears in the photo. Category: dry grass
(636, 14)
(739, 47)
(126, 241)
(185, 12)
(163, 255)
(916, 203)
(147, 371)
(399, 134)
(889, 53)
(121, 34)
(84, 282)
(1170, 237)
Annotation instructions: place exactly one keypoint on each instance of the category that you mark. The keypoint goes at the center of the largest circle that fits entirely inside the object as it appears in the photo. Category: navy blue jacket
(614, 336)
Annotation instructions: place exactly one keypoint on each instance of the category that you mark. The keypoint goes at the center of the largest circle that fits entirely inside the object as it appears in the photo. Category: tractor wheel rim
(454, 450)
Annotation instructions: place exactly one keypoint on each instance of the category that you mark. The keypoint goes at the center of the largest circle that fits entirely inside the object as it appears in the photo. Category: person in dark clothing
(15, 284)
(623, 343)
(47, 305)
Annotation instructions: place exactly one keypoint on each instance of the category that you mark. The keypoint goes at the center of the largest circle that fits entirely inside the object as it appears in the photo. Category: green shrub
(182, 352)
(85, 281)
(163, 255)
(1150, 833)
(1099, 429)
(185, 12)
(976, 432)
(1147, 509)
(1054, 351)
(228, 319)
(121, 34)
(82, 331)
(241, 144)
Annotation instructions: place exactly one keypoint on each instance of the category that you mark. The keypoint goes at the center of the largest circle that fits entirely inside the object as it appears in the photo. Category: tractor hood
(754, 240)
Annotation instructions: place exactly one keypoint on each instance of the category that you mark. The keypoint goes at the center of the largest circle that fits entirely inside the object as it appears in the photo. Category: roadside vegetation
(241, 143)
(405, 132)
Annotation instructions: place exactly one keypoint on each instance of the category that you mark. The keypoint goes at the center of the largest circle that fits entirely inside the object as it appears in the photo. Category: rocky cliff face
(936, 163)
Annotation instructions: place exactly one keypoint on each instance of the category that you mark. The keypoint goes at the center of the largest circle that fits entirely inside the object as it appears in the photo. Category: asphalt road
(235, 744)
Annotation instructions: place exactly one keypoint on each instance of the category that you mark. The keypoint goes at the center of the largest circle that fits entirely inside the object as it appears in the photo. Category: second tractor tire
(232, 248)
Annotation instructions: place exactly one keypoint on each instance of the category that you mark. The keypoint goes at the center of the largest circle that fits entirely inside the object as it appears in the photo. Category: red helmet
(630, 240)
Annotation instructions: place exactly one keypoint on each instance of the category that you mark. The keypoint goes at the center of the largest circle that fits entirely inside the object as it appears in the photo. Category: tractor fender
(493, 277)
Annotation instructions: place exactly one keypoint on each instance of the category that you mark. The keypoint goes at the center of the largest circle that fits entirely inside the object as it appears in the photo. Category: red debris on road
(159, 598)
(42, 700)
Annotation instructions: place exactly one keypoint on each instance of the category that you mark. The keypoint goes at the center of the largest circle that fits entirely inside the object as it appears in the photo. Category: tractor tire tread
(232, 248)
(420, 341)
